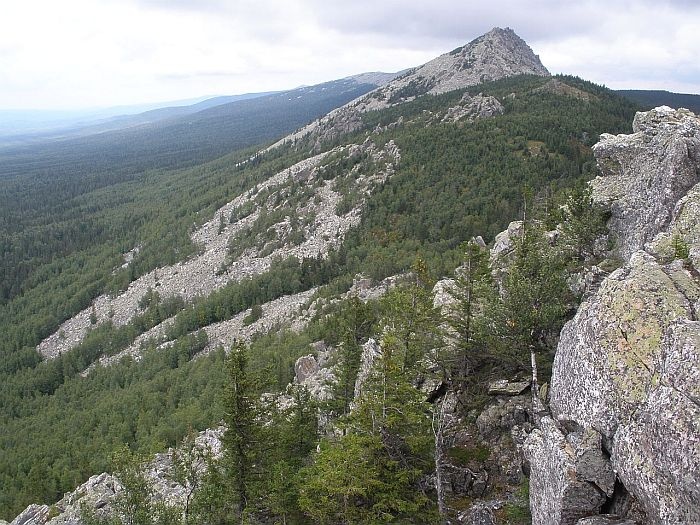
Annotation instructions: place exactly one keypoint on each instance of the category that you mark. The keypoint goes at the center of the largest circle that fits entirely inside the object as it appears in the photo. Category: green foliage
(352, 325)
(535, 302)
(371, 473)
(61, 242)
(681, 250)
(467, 326)
(256, 312)
(134, 503)
(582, 221)
(468, 455)
(241, 440)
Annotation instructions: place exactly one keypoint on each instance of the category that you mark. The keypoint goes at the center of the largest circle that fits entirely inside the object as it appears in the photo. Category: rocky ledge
(625, 394)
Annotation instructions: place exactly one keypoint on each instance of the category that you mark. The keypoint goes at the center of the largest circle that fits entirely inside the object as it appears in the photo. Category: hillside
(25, 127)
(286, 231)
(654, 98)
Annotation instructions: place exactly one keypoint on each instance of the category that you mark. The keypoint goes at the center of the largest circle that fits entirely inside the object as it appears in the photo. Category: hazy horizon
(96, 54)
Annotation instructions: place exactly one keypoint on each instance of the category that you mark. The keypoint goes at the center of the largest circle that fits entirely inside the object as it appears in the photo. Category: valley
(302, 247)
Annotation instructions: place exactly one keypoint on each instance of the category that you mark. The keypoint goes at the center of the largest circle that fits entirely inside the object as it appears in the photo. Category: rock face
(232, 248)
(578, 479)
(99, 492)
(645, 174)
(500, 53)
(628, 364)
(497, 54)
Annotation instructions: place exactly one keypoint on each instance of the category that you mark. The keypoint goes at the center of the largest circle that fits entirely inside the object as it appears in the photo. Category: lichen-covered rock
(305, 367)
(685, 229)
(657, 455)
(609, 355)
(502, 415)
(503, 387)
(644, 175)
(32, 515)
(626, 367)
(479, 514)
(565, 473)
(605, 519)
(628, 363)
(370, 353)
(504, 243)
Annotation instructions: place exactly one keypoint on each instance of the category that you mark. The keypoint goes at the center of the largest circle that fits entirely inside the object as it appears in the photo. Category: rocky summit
(498, 54)
(623, 435)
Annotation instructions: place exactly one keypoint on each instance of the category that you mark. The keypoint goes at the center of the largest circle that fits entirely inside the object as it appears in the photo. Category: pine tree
(534, 304)
(240, 440)
(472, 291)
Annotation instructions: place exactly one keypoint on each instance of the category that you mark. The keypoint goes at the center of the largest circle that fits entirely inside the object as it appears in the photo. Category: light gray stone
(628, 363)
(645, 174)
(304, 368)
(503, 387)
(370, 353)
(563, 487)
(32, 515)
(604, 519)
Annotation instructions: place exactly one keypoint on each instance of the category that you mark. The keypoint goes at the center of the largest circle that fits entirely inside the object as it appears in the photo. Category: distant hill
(24, 128)
(653, 98)
(179, 137)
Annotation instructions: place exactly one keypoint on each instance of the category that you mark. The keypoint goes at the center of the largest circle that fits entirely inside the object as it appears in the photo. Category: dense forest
(653, 98)
(63, 239)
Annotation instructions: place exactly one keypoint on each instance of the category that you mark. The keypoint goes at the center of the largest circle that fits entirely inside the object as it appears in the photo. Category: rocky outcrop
(644, 175)
(628, 364)
(558, 87)
(498, 54)
(371, 351)
(578, 478)
(474, 108)
(32, 515)
(314, 219)
(98, 493)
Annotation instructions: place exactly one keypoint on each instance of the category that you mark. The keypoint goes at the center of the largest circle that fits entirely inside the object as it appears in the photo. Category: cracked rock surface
(628, 364)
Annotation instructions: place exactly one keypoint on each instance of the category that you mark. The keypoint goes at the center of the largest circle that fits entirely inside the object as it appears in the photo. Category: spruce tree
(240, 440)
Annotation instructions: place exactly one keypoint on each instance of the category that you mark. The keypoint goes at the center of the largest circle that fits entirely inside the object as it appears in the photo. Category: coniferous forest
(62, 236)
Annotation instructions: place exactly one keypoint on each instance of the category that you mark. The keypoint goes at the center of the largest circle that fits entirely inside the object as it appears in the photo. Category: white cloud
(79, 53)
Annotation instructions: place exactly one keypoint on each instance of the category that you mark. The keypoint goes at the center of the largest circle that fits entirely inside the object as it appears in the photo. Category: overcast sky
(64, 54)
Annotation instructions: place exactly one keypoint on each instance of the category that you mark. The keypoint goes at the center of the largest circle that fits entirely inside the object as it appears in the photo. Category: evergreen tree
(535, 300)
(466, 325)
(241, 439)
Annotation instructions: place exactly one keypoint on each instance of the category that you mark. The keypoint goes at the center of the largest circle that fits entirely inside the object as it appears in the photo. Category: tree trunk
(439, 452)
(537, 406)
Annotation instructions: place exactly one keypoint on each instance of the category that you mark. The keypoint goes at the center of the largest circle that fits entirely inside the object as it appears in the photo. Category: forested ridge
(454, 181)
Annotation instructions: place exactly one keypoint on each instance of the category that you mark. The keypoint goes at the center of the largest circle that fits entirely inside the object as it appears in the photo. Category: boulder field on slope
(212, 268)
(627, 367)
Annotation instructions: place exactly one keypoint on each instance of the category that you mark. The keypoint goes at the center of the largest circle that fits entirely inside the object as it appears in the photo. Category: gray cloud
(148, 50)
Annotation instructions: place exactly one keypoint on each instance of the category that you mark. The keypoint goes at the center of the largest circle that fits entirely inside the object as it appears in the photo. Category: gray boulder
(32, 515)
(370, 353)
(605, 519)
(570, 477)
(628, 364)
(644, 175)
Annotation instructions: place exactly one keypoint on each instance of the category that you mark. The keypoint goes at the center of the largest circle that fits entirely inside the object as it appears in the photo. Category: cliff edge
(623, 439)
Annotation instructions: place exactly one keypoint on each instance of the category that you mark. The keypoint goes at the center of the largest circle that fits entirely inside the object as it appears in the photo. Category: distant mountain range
(174, 137)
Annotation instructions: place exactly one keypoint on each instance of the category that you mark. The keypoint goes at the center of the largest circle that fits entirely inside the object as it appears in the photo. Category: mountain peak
(494, 55)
